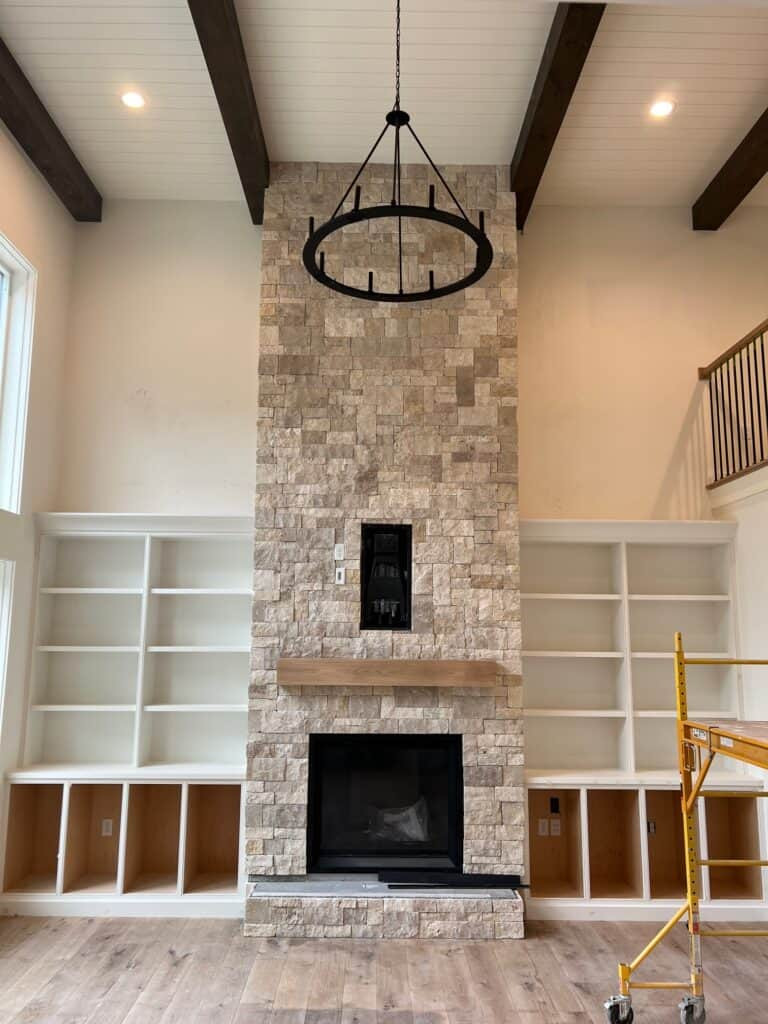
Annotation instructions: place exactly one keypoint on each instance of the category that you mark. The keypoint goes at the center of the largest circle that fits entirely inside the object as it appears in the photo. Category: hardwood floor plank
(359, 994)
(78, 971)
(324, 1003)
(393, 997)
(427, 993)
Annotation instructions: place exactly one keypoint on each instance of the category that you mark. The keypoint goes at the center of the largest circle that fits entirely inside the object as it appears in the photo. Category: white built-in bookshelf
(128, 795)
(130, 782)
(601, 602)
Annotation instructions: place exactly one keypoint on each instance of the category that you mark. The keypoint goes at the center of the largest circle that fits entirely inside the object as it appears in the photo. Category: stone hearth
(385, 414)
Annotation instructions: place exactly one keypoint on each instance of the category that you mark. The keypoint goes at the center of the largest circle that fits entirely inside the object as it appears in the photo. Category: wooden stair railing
(738, 407)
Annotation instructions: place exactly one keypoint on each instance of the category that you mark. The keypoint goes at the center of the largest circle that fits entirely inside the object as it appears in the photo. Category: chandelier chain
(397, 59)
(313, 255)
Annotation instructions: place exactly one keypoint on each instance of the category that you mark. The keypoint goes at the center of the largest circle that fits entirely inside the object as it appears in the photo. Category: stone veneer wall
(386, 413)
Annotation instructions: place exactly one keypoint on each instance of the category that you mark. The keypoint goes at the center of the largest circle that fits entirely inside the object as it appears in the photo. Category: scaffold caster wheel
(692, 1010)
(619, 1010)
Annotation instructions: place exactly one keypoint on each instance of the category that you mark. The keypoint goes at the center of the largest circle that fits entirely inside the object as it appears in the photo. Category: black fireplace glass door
(385, 577)
(381, 801)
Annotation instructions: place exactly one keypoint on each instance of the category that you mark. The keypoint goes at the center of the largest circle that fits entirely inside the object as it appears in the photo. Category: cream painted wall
(42, 230)
(32, 218)
(618, 309)
(159, 395)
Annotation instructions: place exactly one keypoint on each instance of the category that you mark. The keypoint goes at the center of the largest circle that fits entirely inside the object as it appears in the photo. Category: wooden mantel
(385, 672)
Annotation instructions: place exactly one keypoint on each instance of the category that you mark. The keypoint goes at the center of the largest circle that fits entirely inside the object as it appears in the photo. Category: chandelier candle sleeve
(314, 256)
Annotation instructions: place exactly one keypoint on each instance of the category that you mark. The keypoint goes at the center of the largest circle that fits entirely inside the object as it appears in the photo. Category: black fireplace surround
(379, 802)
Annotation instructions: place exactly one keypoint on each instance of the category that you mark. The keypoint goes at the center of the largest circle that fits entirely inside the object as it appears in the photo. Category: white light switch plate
(106, 827)
(338, 552)
(341, 574)
(554, 826)
(543, 826)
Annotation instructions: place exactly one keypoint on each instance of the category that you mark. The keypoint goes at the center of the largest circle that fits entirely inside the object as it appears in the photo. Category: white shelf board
(696, 715)
(615, 778)
(570, 597)
(679, 597)
(122, 772)
(201, 592)
(192, 770)
(187, 649)
(85, 649)
(573, 654)
(84, 707)
(707, 655)
(90, 591)
(573, 713)
(214, 708)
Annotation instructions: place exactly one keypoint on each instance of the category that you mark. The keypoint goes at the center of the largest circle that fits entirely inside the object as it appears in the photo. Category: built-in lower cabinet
(666, 851)
(92, 838)
(601, 846)
(615, 870)
(80, 843)
(152, 840)
(32, 849)
(555, 843)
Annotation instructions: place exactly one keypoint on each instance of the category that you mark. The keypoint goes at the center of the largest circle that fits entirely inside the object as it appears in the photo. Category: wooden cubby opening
(666, 849)
(152, 838)
(32, 847)
(213, 839)
(555, 858)
(93, 838)
(733, 834)
(615, 866)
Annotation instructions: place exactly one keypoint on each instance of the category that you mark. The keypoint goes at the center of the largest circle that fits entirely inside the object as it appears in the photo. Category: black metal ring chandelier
(314, 256)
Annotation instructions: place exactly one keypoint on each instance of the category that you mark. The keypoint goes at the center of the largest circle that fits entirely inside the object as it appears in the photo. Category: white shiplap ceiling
(323, 77)
(323, 72)
(80, 58)
(712, 61)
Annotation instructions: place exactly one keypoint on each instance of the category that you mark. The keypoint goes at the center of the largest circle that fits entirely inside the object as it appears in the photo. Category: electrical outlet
(554, 826)
(543, 826)
(338, 552)
(341, 574)
(106, 828)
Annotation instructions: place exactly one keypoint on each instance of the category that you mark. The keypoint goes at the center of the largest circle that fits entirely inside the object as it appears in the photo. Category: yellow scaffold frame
(698, 745)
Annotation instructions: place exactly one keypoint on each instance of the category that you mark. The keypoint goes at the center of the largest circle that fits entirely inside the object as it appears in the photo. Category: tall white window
(18, 280)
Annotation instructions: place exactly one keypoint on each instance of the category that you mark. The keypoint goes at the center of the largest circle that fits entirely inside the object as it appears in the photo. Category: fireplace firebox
(384, 801)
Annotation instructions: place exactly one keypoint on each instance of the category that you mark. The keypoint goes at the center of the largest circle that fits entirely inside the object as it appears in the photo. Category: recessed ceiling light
(662, 108)
(133, 99)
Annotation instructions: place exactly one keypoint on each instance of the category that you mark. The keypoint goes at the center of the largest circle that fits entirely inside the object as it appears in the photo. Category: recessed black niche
(385, 576)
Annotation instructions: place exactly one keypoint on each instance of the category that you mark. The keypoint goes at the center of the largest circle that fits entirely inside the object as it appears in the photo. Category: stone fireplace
(385, 414)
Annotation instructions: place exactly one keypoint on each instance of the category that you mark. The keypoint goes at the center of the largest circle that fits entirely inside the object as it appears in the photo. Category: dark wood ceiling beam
(735, 180)
(570, 38)
(36, 132)
(219, 34)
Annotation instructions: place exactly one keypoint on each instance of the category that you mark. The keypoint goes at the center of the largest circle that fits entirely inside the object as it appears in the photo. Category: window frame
(18, 288)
